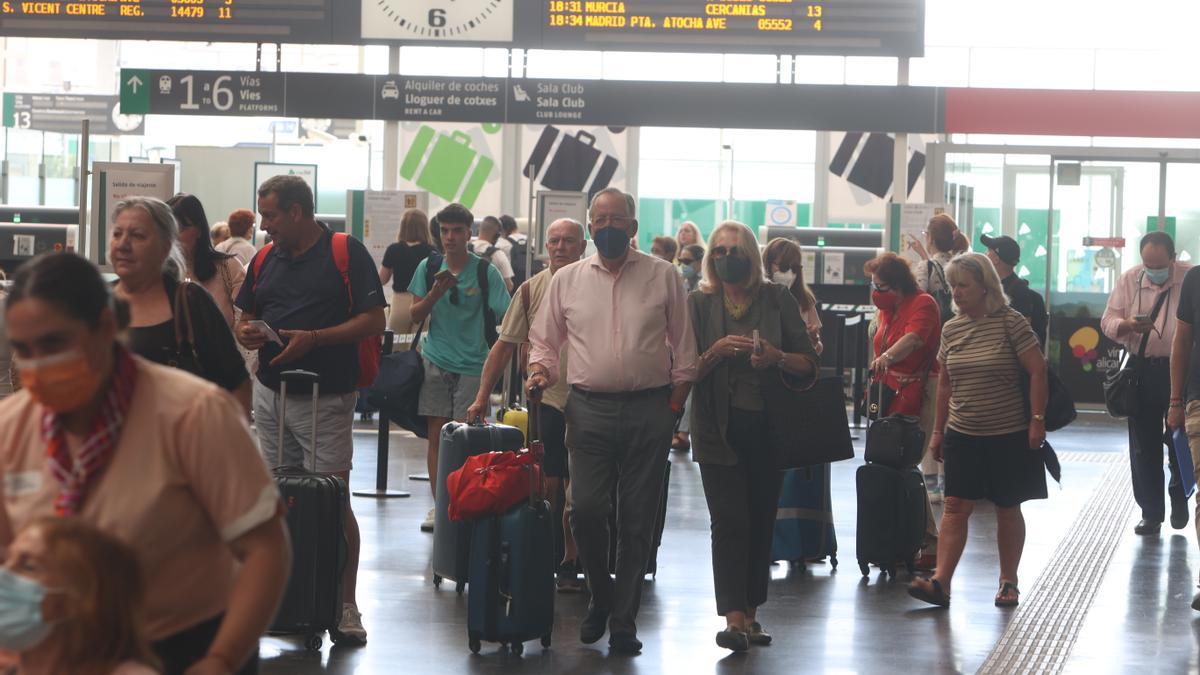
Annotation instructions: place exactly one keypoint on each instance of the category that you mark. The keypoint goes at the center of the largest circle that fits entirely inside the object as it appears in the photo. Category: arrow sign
(134, 82)
(135, 95)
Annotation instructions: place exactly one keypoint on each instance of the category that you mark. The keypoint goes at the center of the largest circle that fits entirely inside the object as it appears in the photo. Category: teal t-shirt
(455, 340)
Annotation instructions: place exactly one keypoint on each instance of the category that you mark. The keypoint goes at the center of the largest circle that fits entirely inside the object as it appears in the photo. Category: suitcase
(804, 522)
(660, 522)
(511, 576)
(891, 517)
(451, 540)
(316, 520)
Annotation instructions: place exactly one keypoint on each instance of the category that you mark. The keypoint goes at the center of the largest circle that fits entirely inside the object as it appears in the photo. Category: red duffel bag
(494, 482)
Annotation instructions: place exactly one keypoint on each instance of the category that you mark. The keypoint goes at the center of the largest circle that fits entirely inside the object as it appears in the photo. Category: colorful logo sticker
(1083, 345)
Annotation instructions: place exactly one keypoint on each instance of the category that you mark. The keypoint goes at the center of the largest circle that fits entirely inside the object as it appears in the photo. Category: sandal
(1008, 595)
(929, 590)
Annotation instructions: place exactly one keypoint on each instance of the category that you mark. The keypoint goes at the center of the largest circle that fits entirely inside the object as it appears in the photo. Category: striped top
(985, 382)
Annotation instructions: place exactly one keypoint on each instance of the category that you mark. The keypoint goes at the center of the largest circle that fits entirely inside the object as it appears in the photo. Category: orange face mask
(60, 382)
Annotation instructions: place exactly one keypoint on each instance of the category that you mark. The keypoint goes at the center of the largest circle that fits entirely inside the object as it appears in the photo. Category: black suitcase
(511, 574)
(316, 519)
(891, 517)
(660, 522)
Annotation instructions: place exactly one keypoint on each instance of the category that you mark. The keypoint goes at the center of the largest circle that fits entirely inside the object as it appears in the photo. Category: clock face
(438, 20)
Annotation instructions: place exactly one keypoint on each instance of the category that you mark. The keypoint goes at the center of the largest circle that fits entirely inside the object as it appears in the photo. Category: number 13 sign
(438, 20)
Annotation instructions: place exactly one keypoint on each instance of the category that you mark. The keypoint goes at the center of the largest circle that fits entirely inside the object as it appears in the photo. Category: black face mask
(732, 269)
(611, 242)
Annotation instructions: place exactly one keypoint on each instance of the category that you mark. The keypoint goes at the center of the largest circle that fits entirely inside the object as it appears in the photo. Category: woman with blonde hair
(70, 602)
(400, 260)
(783, 263)
(751, 339)
(688, 234)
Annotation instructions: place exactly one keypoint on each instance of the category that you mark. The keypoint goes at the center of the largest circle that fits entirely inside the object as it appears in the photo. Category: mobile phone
(444, 274)
(266, 330)
(758, 348)
(1142, 318)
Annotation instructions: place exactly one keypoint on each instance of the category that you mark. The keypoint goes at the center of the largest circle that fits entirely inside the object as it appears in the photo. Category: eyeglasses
(686, 261)
(882, 289)
(605, 221)
(721, 251)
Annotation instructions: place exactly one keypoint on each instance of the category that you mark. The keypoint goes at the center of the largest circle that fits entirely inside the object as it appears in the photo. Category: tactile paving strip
(1044, 629)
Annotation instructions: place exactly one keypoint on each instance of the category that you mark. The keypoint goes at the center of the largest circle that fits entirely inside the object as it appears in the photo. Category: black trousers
(180, 651)
(742, 501)
(1147, 441)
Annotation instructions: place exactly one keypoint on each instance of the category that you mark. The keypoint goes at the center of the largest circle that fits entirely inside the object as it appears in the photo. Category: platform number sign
(438, 20)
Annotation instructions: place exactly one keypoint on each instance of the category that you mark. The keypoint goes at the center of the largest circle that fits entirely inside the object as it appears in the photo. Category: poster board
(555, 204)
(373, 216)
(112, 182)
(911, 224)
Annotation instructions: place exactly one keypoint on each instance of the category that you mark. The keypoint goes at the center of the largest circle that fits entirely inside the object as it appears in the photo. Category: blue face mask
(689, 272)
(1158, 277)
(21, 623)
(611, 242)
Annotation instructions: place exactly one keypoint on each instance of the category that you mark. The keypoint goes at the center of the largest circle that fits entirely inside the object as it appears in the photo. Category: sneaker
(734, 640)
(350, 631)
(758, 636)
(427, 525)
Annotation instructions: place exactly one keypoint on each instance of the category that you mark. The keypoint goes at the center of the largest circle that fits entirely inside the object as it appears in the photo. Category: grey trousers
(623, 441)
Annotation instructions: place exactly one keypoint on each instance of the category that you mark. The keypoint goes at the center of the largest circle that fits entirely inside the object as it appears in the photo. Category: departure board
(199, 20)
(892, 27)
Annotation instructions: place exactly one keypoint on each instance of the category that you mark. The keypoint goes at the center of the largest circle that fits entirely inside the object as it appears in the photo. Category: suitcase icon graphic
(571, 164)
(446, 169)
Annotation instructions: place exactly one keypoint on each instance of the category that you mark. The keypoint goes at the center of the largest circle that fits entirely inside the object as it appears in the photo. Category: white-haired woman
(171, 322)
(985, 434)
(730, 425)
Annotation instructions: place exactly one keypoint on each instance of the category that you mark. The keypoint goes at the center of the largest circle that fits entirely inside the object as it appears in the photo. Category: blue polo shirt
(307, 293)
(455, 341)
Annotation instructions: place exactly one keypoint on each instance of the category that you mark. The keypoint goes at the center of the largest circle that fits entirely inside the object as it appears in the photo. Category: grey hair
(175, 265)
(570, 221)
(630, 202)
(981, 270)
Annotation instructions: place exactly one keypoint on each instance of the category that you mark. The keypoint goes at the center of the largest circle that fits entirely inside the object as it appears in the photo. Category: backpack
(517, 258)
(942, 293)
(433, 264)
(369, 348)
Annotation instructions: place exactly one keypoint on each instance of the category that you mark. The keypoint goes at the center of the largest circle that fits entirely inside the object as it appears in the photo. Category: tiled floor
(823, 621)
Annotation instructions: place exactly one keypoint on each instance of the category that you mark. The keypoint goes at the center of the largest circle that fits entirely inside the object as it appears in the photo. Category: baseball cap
(1006, 248)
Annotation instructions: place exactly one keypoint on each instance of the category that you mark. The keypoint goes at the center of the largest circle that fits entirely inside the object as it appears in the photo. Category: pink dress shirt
(623, 332)
(1134, 295)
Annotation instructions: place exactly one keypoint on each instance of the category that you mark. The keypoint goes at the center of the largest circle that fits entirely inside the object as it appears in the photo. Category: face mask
(21, 624)
(689, 272)
(885, 300)
(733, 269)
(611, 242)
(784, 278)
(60, 382)
(1158, 277)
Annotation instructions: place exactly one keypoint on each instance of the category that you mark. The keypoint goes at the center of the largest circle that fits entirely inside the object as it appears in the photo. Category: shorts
(335, 430)
(554, 439)
(445, 394)
(1001, 469)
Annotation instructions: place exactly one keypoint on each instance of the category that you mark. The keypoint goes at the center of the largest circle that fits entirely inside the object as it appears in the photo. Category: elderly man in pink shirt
(1140, 315)
(631, 359)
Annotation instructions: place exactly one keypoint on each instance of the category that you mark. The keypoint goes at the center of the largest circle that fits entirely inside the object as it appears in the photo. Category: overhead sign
(1113, 242)
(861, 27)
(530, 101)
(63, 113)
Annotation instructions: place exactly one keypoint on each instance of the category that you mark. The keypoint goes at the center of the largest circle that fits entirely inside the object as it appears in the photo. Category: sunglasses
(454, 295)
(881, 289)
(721, 251)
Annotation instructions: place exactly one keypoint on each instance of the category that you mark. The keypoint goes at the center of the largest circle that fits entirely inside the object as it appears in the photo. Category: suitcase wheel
(313, 642)
(890, 570)
(437, 581)
(474, 644)
(459, 587)
(833, 561)
(517, 648)
(862, 567)
(546, 641)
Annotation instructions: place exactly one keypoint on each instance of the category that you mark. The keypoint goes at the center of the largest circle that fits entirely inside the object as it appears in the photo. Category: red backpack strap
(341, 258)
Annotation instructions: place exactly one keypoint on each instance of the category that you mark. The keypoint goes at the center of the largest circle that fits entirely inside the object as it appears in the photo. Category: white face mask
(785, 278)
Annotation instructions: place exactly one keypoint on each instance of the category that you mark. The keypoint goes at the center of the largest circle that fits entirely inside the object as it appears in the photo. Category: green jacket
(780, 324)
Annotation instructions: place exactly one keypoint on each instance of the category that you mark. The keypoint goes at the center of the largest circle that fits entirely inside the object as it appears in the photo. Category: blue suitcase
(804, 529)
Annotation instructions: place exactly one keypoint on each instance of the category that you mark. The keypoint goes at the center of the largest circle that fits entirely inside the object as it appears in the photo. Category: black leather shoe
(1179, 515)
(1145, 527)
(624, 643)
(594, 625)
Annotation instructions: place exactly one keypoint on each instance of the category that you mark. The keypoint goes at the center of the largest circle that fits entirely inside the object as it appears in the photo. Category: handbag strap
(183, 314)
(417, 336)
(1158, 303)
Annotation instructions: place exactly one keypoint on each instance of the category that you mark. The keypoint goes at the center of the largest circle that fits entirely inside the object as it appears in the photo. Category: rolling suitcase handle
(299, 376)
(535, 433)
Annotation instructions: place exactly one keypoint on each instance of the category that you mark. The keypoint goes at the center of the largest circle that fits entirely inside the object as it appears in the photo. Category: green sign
(135, 91)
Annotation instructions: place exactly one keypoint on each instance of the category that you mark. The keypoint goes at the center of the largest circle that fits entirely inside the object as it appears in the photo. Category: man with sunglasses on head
(461, 294)
(622, 317)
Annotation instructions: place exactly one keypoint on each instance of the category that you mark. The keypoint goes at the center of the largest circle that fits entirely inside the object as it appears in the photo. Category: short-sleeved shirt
(917, 313)
(185, 480)
(402, 259)
(455, 340)
(498, 257)
(216, 349)
(985, 373)
(1189, 313)
(515, 330)
(307, 293)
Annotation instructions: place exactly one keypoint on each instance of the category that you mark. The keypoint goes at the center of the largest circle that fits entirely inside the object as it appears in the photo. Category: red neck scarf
(76, 475)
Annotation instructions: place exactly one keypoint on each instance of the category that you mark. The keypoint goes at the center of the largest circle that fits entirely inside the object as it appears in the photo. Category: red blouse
(917, 313)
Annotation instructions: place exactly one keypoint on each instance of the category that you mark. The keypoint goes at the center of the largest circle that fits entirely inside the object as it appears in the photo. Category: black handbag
(1121, 384)
(894, 440)
(1060, 407)
(807, 426)
(397, 389)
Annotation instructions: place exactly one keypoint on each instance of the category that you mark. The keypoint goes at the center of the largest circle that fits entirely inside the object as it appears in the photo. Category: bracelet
(937, 432)
(1176, 399)
(1175, 404)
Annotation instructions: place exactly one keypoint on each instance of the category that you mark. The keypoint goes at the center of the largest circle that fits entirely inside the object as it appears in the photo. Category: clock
(438, 20)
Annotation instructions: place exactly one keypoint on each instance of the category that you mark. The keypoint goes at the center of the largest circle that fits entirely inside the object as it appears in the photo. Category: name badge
(22, 483)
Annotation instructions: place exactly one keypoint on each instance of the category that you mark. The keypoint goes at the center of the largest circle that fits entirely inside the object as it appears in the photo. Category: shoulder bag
(808, 426)
(185, 356)
(397, 389)
(894, 440)
(1060, 407)
(1121, 384)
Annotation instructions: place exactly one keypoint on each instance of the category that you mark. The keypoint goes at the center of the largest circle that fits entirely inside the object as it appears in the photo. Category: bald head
(564, 243)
